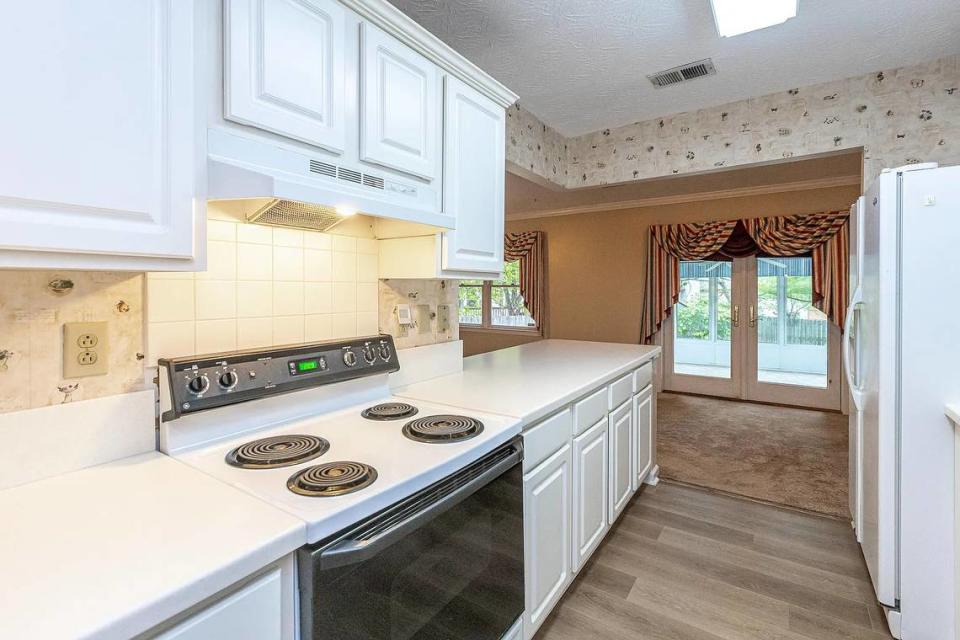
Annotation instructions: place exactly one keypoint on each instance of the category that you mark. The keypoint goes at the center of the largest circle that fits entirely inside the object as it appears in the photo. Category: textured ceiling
(581, 65)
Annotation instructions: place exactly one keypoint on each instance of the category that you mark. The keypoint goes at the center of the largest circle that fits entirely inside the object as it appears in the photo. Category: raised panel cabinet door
(99, 138)
(591, 469)
(643, 442)
(621, 453)
(400, 117)
(546, 533)
(284, 68)
(473, 179)
(254, 612)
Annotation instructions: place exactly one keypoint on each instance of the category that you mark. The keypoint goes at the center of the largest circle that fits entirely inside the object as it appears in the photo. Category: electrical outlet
(86, 349)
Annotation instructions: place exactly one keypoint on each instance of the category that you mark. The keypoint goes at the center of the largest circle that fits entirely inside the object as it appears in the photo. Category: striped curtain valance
(527, 248)
(823, 236)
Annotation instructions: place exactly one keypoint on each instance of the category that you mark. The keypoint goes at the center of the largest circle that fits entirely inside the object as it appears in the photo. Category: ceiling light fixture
(734, 17)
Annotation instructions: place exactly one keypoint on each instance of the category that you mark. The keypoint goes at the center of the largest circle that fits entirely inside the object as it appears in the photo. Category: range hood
(311, 191)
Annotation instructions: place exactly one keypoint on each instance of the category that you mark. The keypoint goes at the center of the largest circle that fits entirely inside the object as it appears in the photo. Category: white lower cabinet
(591, 469)
(579, 479)
(546, 533)
(621, 458)
(262, 606)
(254, 612)
(643, 436)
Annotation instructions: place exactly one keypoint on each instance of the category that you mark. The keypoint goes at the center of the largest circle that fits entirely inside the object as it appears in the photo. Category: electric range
(220, 403)
(410, 497)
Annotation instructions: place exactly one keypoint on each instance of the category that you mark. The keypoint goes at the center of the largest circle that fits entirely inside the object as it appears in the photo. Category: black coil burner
(332, 479)
(277, 451)
(442, 428)
(389, 411)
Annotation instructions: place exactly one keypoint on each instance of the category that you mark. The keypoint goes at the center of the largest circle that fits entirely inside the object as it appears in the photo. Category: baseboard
(653, 478)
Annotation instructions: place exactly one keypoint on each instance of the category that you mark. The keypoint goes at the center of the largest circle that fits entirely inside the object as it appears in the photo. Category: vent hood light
(734, 17)
(345, 210)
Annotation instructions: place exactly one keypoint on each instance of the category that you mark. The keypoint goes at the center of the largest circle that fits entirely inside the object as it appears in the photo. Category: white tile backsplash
(216, 335)
(254, 261)
(317, 265)
(287, 298)
(288, 264)
(344, 266)
(216, 299)
(344, 297)
(264, 287)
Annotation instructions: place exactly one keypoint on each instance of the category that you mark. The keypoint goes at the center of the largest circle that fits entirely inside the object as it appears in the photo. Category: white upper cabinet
(102, 149)
(400, 112)
(473, 179)
(284, 68)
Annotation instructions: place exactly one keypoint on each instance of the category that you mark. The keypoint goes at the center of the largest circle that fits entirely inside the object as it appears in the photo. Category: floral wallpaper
(535, 147)
(898, 116)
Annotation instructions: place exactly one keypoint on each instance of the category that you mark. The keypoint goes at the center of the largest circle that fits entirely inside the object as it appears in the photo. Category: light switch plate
(423, 318)
(86, 349)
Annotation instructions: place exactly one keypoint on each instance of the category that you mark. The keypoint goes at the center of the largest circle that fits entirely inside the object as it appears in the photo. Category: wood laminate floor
(684, 563)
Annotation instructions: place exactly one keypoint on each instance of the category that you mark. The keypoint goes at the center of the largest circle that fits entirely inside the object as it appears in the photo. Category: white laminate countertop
(112, 550)
(532, 380)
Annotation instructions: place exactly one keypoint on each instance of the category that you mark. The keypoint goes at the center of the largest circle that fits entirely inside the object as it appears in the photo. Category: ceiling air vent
(684, 72)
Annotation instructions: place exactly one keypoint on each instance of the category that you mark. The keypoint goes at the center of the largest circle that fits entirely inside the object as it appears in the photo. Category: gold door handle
(753, 316)
(735, 316)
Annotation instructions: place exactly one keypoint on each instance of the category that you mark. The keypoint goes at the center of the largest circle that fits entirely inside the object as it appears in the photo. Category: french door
(748, 329)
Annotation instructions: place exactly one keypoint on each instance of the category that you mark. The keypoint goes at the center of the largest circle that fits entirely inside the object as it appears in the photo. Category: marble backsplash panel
(34, 305)
(428, 293)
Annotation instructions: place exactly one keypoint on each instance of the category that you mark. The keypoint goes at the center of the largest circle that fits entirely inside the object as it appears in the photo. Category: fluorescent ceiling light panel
(734, 17)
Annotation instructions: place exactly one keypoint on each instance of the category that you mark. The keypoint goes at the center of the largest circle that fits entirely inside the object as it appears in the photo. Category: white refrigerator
(902, 362)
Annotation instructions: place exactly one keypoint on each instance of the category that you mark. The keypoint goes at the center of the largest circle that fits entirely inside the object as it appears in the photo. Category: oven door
(446, 563)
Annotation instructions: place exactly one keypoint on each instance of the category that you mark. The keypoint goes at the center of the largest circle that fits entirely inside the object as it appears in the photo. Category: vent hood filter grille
(289, 213)
(683, 73)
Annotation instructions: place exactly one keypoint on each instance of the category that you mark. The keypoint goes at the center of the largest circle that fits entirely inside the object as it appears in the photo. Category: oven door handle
(353, 549)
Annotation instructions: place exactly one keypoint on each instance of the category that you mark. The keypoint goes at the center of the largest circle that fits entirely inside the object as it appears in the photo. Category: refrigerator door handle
(855, 391)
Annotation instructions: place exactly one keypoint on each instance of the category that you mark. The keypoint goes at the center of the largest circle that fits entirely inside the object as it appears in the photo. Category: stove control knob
(369, 354)
(349, 358)
(385, 351)
(198, 385)
(228, 380)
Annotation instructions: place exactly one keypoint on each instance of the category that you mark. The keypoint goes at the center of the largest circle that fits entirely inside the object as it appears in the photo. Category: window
(495, 304)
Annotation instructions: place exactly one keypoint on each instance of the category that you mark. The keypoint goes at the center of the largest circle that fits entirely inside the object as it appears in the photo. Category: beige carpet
(795, 457)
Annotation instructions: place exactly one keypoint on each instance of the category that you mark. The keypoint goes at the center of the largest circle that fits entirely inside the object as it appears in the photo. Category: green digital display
(307, 365)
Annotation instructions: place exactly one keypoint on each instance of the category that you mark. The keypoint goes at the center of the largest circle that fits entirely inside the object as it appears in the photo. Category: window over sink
(495, 304)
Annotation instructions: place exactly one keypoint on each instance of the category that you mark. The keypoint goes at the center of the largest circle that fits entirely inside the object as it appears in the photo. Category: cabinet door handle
(753, 316)
(735, 316)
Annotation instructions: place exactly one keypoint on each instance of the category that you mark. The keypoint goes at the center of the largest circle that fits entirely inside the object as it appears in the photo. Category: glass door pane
(792, 335)
(702, 327)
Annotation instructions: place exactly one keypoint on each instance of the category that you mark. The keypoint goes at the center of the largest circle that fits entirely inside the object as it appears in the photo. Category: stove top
(395, 465)
(332, 479)
(441, 429)
(314, 430)
(389, 411)
(277, 451)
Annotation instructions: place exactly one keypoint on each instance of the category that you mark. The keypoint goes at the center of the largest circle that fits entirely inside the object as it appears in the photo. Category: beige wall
(596, 261)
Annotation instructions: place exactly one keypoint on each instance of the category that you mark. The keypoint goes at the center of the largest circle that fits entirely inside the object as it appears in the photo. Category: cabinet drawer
(620, 391)
(590, 410)
(546, 438)
(642, 377)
